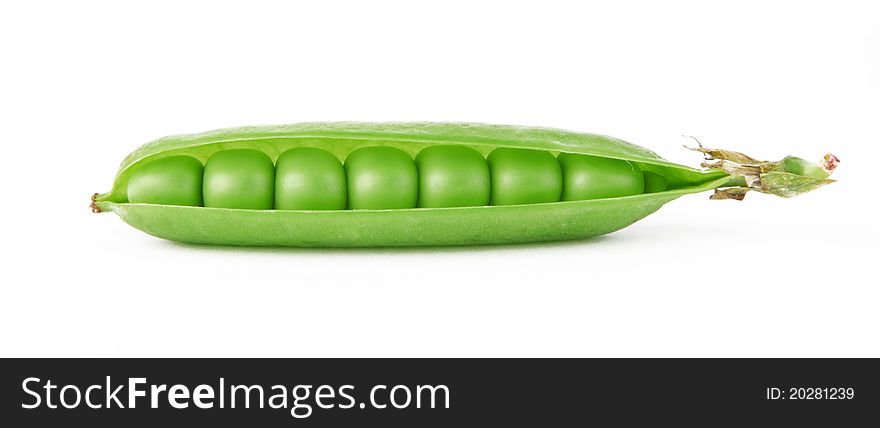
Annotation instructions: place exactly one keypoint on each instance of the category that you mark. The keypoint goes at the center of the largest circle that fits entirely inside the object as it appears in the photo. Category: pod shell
(400, 227)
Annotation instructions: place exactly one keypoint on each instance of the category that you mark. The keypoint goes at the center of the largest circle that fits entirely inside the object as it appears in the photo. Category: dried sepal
(735, 193)
(787, 185)
(726, 155)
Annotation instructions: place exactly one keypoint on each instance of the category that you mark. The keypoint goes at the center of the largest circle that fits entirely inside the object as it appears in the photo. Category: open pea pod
(730, 174)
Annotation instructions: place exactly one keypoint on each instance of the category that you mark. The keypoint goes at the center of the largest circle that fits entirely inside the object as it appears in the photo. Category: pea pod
(384, 207)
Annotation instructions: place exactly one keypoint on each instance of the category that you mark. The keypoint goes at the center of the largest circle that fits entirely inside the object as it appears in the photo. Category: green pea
(308, 178)
(523, 176)
(380, 178)
(655, 182)
(173, 180)
(240, 178)
(452, 176)
(591, 177)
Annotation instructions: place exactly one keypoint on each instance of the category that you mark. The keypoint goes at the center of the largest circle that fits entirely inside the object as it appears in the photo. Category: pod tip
(94, 206)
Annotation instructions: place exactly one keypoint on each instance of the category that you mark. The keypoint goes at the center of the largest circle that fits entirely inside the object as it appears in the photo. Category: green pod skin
(309, 178)
(526, 222)
(452, 176)
(381, 178)
(175, 180)
(655, 183)
(521, 176)
(239, 178)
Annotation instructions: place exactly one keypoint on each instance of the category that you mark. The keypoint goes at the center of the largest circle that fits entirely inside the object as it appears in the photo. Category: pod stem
(787, 178)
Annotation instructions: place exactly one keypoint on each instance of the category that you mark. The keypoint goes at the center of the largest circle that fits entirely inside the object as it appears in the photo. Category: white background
(84, 83)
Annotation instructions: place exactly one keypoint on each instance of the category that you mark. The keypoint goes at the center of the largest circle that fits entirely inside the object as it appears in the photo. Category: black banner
(419, 392)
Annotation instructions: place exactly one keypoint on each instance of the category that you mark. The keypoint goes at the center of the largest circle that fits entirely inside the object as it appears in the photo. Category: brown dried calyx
(788, 177)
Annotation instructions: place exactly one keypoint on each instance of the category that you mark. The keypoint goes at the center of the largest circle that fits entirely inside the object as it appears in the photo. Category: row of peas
(382, 177)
